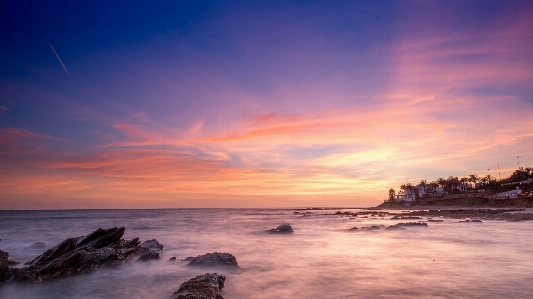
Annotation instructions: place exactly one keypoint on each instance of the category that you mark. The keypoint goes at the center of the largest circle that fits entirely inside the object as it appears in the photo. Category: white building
(437, 191)
(410, 195)
(508, 194)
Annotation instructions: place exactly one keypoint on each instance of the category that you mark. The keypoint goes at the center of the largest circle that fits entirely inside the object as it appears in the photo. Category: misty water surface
(321, 259)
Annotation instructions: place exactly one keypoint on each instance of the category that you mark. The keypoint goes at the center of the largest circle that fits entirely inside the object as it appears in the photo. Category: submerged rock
(172, 258)
(38, 245)
(213, 259)
(373, 227)
(394, 227)
(473, 220)
(149, 255)
(412, 224)
(406, 217)
(77, 255)
(205, 286)
(284, 228)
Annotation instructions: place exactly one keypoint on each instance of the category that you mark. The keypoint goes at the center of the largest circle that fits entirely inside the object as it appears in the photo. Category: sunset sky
(168, 104)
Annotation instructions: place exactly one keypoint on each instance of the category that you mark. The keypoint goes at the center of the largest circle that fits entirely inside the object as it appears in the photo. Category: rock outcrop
(493, 214)
(412, 224)
(205, 286)
(77, 255)
(213, 259)
(283, 229)
(394, 227)
(5, 262)
(150, 250)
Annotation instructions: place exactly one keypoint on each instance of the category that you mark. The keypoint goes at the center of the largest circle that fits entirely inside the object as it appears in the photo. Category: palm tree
(434, 186)
(473, 179)
(484, 180)
(463, 183)
(442, 182)
(392, 194)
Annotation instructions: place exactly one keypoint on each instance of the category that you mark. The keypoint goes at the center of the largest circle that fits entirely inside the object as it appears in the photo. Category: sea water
(323, 258)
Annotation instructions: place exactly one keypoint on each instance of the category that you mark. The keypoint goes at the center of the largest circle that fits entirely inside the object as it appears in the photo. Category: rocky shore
(73, 256)
(489, 214)
(205, 286)
(106, 247)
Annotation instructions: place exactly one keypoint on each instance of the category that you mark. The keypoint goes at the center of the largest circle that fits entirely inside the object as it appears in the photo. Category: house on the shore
(430, 191)
(414, 193)
(410, 195)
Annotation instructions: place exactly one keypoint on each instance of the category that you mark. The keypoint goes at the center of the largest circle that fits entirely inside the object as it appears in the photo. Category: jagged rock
(5, 262)
(153, 244)
(172, 258)
(150, 250)
(213, 259)
(77, 255)
(205, 286)
(284, 228)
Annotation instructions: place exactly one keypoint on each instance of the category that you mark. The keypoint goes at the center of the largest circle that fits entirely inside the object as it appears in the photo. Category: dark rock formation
(354, 228)
(284, 228)
(373, 227)
(205, 286)
(149, 255)
(394, 227)
(5, 262)
(213, 259)
(172, 258)
(153, 244)
(473, 220)
(150, 250)
(496, 214)
(77, 255)
(406, 217)
(412, 224)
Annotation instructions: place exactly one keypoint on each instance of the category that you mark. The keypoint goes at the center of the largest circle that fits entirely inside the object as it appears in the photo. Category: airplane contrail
(42, 31)
(64, 67)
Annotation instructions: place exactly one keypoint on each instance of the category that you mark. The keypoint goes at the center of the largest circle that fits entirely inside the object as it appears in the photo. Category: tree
(484, 180)
(434, 186)
(423, 184)
(442, 182)
(473, 179)
(392, 194)
(463, 184)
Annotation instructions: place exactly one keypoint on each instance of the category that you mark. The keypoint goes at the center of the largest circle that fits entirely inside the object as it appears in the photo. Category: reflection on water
(321, 259)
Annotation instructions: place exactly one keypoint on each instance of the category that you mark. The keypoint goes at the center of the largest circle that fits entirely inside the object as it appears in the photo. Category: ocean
(323, 258)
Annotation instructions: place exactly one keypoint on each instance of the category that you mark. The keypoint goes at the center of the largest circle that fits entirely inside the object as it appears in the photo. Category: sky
(238, 104)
